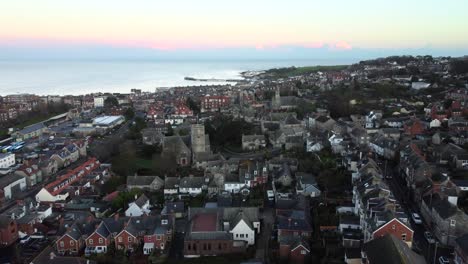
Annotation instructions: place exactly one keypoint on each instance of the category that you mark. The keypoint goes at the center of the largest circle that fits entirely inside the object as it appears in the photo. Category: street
(420, 244)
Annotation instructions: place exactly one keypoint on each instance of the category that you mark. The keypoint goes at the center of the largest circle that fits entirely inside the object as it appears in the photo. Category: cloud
(342, 45)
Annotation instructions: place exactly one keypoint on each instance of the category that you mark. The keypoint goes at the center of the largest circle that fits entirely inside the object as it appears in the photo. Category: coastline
(60, 78)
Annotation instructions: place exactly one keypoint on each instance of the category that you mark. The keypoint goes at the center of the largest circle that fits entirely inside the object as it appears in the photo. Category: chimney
(136, 197)
(289, 222)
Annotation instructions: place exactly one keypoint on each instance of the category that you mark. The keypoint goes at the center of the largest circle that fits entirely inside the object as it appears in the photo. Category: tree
(125, 163)
(148, 151)
(129, 113)
(164, 164)
(170, 130)
(193, 105)
(110, 102)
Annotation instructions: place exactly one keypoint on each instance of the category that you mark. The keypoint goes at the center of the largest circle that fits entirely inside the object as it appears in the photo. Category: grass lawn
(295, 71)
(143, 163)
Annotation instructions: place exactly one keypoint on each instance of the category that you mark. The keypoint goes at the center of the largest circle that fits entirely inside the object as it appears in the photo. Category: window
(403, 237)
(158, 237)
(204, 246)
(62, 244)
(209, 246)
(219, 246)
(194, 246)
(237, 235)
(120, 239)
(242, 235)
(129, 239)
(189, 246)
(303, 252)
(101, 240)
(72, 243)
(90, 241)
(246, 235)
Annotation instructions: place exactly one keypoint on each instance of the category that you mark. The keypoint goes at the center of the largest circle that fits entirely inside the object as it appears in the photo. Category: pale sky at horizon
(260, 24)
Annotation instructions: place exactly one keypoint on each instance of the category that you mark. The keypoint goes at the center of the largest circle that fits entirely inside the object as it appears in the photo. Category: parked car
(429, 237)
(444, 260)
(25, 239)
(38, 235)
(416, 218)
(270, 195)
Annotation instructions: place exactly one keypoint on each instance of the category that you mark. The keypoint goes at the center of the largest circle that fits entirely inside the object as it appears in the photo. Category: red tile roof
(204, 223)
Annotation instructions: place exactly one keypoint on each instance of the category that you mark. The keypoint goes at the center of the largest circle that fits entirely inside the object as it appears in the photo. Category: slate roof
(173, 207)
(171, 182)
(142, 200)
(235, 214)
(294, 220)
(391, 250)
(8, 179)
(191, 182)
(102, 230)
(442, 206)
(142, 180)
(4, 221)
(32, 128)
(462, 242)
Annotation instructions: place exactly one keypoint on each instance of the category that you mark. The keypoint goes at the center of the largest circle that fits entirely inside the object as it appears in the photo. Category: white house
(139, 207)
(45, 196)
(243, 223)
(99, 101)
(191, 185)
(313, 145)
(171, 185)
(234, 187)
(7, 160)
(12, 185)
(435, 123)
(335, 140)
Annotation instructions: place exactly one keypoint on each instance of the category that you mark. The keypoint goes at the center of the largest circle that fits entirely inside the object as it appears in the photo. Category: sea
(77, 77)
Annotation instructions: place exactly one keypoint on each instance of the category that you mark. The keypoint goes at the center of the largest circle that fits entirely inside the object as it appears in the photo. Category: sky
(224, 28)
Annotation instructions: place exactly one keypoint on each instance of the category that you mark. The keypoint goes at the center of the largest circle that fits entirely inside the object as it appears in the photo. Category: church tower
(277, 99)
(198, 138)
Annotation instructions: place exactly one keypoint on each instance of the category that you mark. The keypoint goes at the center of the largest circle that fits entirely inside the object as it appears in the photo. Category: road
(263, 240)
(402, 193)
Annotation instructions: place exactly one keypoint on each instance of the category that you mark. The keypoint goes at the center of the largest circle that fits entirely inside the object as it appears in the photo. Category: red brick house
(214, 103)
(414, 127)
(99, 240)
(294, 250)
(397, 228)
(127, 239)
(159, 238)
(8, 231)
(208, 235)
(71, 242)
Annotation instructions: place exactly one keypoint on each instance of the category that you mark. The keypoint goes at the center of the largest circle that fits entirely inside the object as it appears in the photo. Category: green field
(296, 71)
(143, 163)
